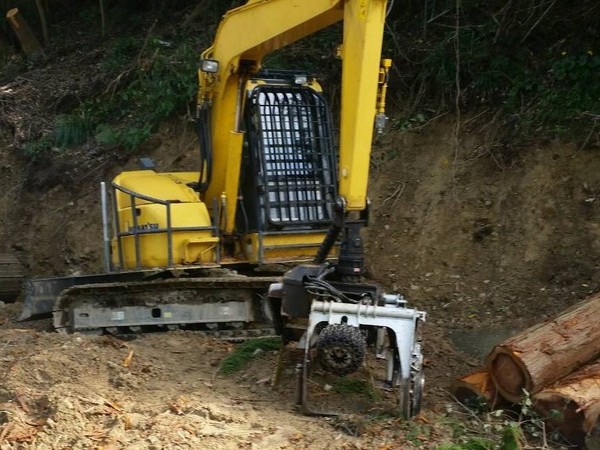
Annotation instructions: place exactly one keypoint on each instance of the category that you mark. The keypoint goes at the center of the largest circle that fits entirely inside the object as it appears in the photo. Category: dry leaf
(175, 409)
(6, 429)
(36, 423)
(110, 446)
(421, 418)
(296, 437)
(127, 423)
(113, 405)
(22, 402)
(116, 343)
(127, 361)
(16, 433)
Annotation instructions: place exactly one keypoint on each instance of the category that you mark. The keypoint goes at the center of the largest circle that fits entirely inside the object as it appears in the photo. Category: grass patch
(128, 137)
(245, 352)
(71, 130)
(121, 53)
(471, 444)
(35, 150)
(148, 84)
(344, 385)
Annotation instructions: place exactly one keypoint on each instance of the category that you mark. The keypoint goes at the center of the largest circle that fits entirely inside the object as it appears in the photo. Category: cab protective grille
(296, 155)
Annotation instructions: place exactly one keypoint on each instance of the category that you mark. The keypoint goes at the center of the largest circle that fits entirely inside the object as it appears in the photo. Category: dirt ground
(481, 237)
(163, 391)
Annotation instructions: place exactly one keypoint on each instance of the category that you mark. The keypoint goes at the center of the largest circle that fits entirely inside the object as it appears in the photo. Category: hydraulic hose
(204, 138)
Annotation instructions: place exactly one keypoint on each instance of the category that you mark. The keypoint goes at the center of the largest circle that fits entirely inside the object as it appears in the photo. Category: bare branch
(537, 22)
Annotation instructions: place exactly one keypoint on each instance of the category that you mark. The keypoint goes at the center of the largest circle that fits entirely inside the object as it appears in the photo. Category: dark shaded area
(532, 64)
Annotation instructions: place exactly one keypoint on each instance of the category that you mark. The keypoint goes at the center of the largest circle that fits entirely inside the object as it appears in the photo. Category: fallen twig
(395, 195)
(114, 84)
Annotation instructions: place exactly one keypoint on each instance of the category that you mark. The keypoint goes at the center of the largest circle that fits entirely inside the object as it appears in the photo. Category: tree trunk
(102, 18)
(573, 405)
(546, 352)
(43, 21)
(476, 389)
(5, 44)
(29, 43)
(199, 9)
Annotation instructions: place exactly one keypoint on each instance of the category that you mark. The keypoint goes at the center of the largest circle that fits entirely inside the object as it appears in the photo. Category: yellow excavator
(275, 185)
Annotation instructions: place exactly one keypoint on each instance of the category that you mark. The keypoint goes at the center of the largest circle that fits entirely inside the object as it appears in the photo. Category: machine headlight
(380, 122)
(209, 65)
(300, 79)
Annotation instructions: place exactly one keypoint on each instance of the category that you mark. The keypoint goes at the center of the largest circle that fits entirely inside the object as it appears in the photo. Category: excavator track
(11, 277)
(231, 307)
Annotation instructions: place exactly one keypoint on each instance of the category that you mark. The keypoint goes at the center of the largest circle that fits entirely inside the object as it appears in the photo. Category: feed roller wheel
(341, 349)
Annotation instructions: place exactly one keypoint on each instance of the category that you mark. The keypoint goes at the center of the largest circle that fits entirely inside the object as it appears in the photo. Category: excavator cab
(289, 171)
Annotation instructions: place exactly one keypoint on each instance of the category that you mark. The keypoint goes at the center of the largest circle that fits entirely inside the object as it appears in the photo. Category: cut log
(544, 353)
(29, 43)
(476, 389)
(572, 405)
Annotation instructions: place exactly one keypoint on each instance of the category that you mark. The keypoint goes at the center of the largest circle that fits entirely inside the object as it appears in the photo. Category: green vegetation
(129, 137)
(160, 80)
(36, 149)
(493, 435)
(246, 351)
(72, 129)
(471, 444)
(533, 65)
(123, 50)
(315, 54)
(346, 385)
(151, 81)
(513, 429)
(533, 62)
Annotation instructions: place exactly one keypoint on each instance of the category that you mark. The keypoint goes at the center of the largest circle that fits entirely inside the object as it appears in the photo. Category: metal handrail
(137, 232)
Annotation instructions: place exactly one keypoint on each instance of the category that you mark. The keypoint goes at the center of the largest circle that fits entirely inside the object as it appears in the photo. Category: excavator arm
(248, 33)
(339, 308)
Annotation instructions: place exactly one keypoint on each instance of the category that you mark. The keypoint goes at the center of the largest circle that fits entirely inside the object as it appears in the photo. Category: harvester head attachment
(345, 321)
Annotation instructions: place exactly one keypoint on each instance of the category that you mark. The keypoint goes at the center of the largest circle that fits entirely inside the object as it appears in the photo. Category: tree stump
(572, 405)
(544, 353)
(29, 43)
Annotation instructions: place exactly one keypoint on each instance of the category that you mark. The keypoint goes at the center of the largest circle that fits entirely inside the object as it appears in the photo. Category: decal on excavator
(145, 227)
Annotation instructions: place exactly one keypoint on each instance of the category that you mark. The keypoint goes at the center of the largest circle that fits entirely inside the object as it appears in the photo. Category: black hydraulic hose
(242, 208)
(333, 233)
(205, 141)
(327, 244)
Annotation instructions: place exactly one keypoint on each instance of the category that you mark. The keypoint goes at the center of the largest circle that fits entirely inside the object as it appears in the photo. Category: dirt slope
(474, 244)
(479, 243)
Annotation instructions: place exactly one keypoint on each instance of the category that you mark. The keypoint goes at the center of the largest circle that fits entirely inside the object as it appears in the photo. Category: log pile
(557, 364)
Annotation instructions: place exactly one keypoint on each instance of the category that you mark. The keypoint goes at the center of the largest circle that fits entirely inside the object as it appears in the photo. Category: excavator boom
(248, 33)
